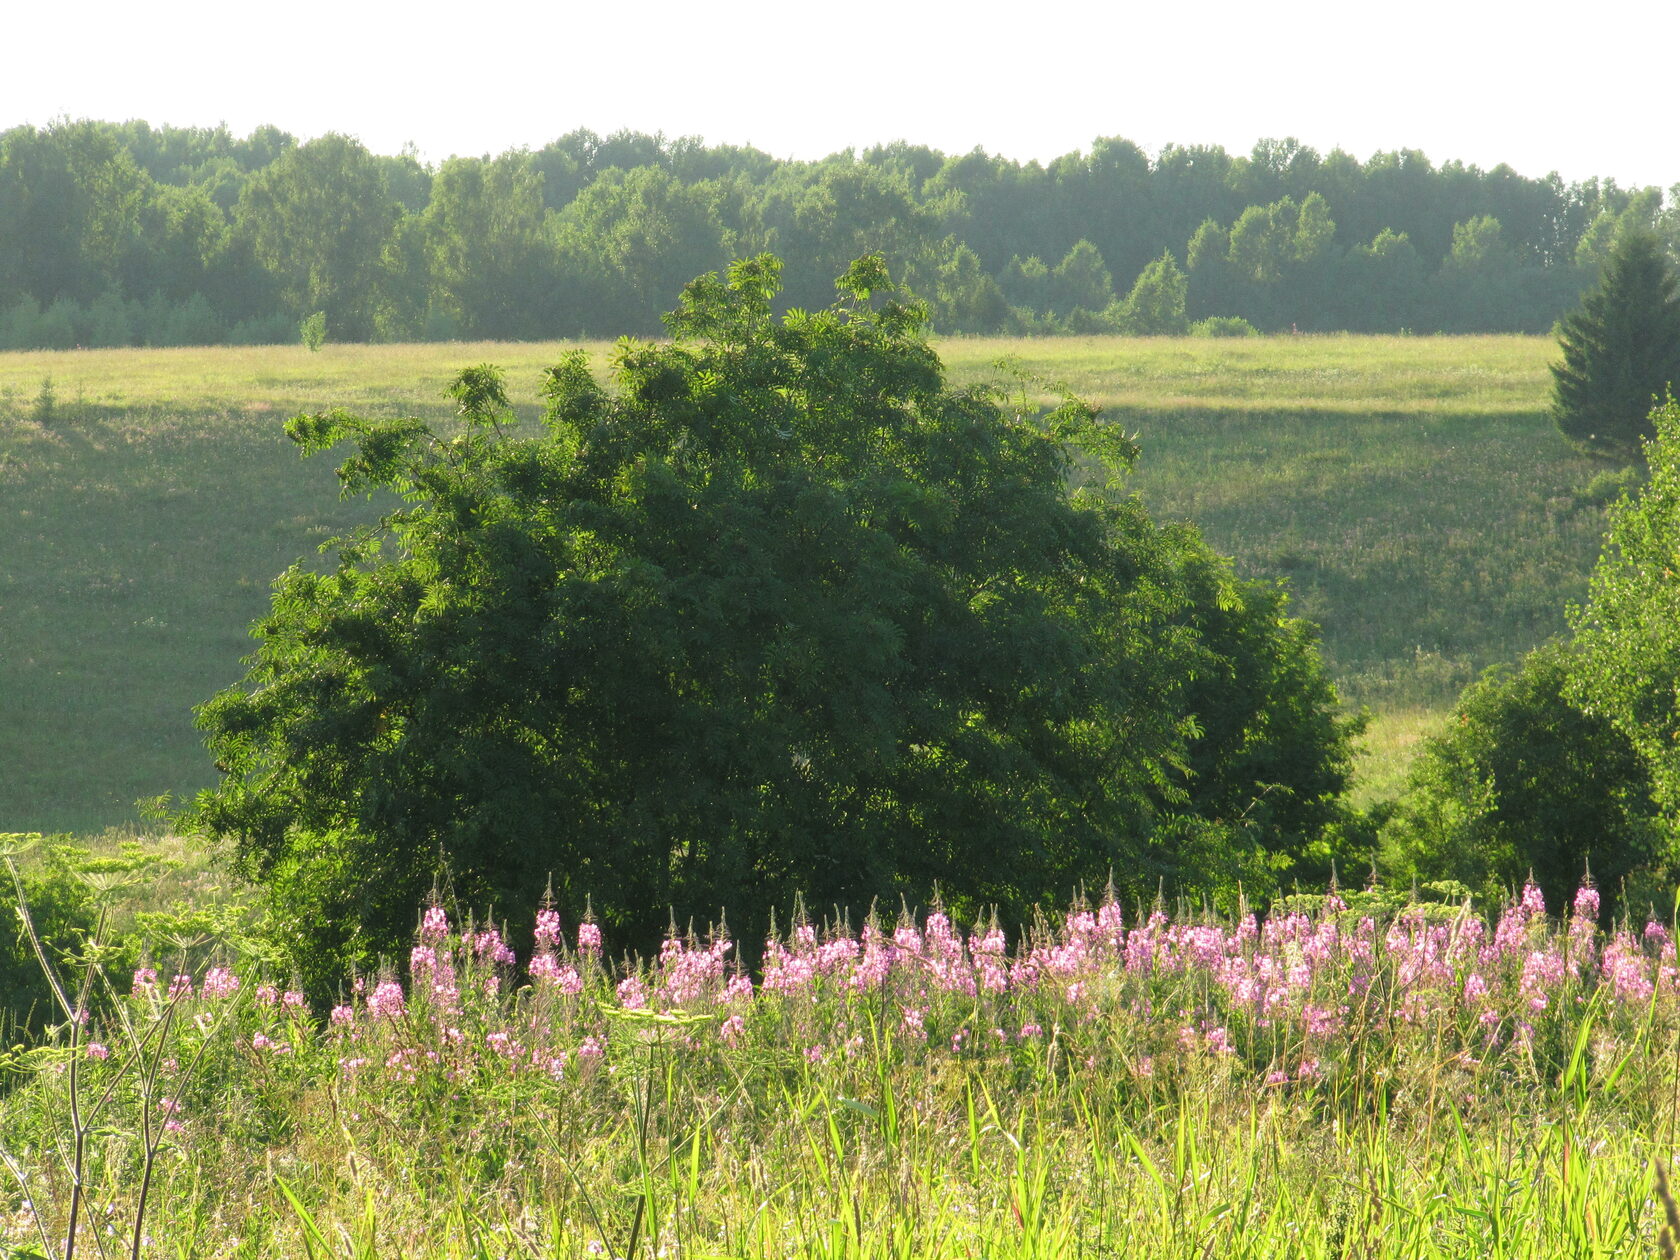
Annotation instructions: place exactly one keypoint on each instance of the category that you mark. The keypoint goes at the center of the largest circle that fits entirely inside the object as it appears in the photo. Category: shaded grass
(1411, 491)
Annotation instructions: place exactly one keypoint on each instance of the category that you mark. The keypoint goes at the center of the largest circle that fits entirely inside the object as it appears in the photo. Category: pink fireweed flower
(1586, 903)
(342, 1015)
(97, 1051)
(732, 1029)
(489, 944)
(591, 1048)
(181, 987)
(589, 938)
(219, 983)
(911, 1024)
(293, 999)
(435, 925)
(1110, 920)
(1321, 1021)
(145, 981)
(267, 995)
(632, 996)
(1533, 900)
(547, 934)
(546, 970)
(386, 1001)
(739, 989)
(1623, 967)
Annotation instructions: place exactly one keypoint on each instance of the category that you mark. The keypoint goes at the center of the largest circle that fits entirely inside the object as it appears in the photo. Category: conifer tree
(1621, 352)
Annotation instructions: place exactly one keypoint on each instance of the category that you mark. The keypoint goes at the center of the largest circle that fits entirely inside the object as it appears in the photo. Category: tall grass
(1357, 1076)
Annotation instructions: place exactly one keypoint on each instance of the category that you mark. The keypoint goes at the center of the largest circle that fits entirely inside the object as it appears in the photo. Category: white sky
(1583, 89)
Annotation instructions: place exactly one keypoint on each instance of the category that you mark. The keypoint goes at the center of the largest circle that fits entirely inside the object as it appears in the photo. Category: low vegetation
(1361, 1074)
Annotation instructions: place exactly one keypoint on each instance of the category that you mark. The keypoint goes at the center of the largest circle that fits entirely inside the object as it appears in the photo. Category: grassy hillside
(1410, 489)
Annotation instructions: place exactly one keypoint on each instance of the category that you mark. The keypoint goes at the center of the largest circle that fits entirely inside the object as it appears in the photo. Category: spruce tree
(1621, 352)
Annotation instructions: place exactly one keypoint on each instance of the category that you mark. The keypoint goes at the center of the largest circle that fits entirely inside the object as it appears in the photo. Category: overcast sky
(1580, 89)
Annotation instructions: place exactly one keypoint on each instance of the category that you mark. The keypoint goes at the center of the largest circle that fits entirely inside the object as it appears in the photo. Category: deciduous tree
(783, 612)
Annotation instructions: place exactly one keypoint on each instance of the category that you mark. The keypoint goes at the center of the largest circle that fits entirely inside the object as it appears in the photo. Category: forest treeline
(118, 234)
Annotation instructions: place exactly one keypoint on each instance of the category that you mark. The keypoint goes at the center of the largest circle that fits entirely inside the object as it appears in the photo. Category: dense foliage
(785, 612)
(1525, 784)
(1621, 351)
(118, 234)
(1629, 629)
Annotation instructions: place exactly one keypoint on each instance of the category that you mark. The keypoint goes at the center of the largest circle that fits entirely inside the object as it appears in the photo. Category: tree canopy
(779, 613)
(1629, 629)
(1621, 351)
(117, 234)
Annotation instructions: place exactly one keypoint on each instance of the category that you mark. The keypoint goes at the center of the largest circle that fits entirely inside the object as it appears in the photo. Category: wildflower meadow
(1352, 1074)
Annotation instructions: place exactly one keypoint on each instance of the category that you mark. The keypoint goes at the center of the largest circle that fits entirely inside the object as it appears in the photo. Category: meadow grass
(1360, 1076)
(1410, 490)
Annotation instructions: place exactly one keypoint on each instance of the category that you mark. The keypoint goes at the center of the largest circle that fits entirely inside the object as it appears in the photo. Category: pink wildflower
(435, 925)
(548, 929)
(387, 1001)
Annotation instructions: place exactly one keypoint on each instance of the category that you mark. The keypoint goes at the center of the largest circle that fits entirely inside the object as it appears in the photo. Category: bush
(64, 913)
(1223, 326)
(1524, 781)
(785, 612)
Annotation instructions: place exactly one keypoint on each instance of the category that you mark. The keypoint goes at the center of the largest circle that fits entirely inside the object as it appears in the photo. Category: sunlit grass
(1358, 1077)
(1411, 490)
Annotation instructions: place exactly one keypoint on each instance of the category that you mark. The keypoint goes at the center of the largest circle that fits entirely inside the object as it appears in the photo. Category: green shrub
(1223, 326)
(63, 911)
(783, 610)
(1526, 781)
(313, 330)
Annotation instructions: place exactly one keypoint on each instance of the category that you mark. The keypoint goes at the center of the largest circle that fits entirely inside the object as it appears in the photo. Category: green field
(1411, 490)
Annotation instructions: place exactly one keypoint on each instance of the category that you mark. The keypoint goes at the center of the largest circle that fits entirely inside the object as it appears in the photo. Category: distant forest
(126, 234)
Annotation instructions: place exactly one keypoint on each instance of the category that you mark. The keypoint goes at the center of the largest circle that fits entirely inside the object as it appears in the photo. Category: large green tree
(782, 612)
(318, 219)
(1621, 351)
(1629, 629)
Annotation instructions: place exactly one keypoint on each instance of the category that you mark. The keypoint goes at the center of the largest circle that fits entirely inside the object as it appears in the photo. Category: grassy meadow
(1411, 491)
(1363, 1075)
